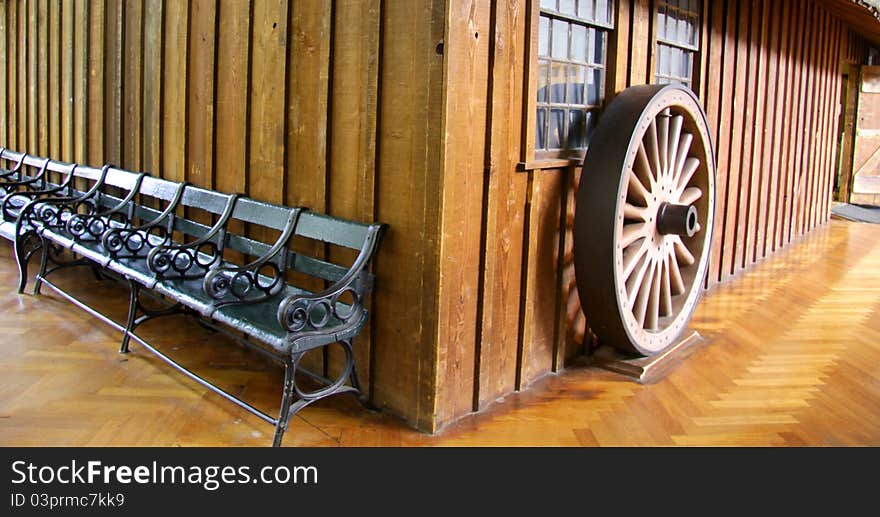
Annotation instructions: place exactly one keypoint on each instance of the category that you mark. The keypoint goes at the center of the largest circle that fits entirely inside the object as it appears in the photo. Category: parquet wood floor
(791, 357)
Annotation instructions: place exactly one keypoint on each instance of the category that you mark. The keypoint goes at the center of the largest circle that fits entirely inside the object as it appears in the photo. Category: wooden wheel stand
(645, 370)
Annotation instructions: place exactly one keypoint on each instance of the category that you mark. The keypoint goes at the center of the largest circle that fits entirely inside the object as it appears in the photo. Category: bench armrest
(154, 233)
(92, 226)
(203, 254)
(53, 212)
(250, 283)
(14, 202)
(310, 314)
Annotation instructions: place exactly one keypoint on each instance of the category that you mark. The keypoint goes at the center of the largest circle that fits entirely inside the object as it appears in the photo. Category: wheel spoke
(634, 282)
(663, 142)
(665, 289)
(682, 253)
(653, 312)
(631, 258)
(635, 213)
(644, 293)
(674, 143)
(687, 172)
(632, 233)
(681, 158)
(676, 282)
(637, 189)
(653, 149)
(690, 195)
(643, 167)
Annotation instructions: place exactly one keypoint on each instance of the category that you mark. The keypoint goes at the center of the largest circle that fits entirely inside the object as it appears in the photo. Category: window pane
(577, 78)
(589, 125)
(544, 36)
(661, 23)
(603, 11)
(557, 83)
(543, 80)
(560, 39)
(578, 43)
(541, 129)
(594, 86)
(599, 47)
(585, 9)
(566, 6)
(575, 129)
(548, 4)
(557, 129)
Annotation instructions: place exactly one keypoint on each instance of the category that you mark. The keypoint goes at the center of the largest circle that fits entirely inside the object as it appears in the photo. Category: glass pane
(557, 129)
(560, 39)
(577, 78)
(692, 31)
(603, 11)
(566, 6)
(544, 36)
(548, 4)
(594, 86)
(576, 129)
(683, 30)
(541, 129)
(674, 62)
(662, 60)
(687, 64)
(661, 23)
(586, 9)
(589, 126)
(543, 80)
(599, 47)
(557, 83)
(578, 43)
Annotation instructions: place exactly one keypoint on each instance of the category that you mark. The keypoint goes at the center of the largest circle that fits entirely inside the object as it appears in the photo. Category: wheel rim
(651, 179)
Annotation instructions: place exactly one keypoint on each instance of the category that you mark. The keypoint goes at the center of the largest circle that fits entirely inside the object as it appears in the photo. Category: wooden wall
(410, 112)
(770, 82)
(279, 100)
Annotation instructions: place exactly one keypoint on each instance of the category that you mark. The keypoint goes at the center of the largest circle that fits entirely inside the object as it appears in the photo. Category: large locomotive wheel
(643, 222)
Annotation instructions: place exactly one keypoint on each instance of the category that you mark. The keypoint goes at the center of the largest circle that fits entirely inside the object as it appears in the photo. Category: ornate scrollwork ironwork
(302, 313)
(184, 261)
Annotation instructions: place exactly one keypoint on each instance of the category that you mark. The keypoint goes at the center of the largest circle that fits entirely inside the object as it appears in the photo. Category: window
(678, 40)
(572, 41)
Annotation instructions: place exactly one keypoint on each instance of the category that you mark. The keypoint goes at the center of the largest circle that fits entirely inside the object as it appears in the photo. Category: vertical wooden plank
(67, 81)
(806, 130)
(22, 103)
(837, 125)
(825, 72)
(112, 101)
(54, 78)
(737, 44)
(794, 110)
(308, 81)
(463, 137)
(770, 85)
(352, 147)
(132, 85)
(42, 75)
(781, 130)
(641, 46)
(756, 128)
(531, 76)
(814, 136)
(95, 105)
(233, 44)
(405, 359)
(572, 337)
(200, 93)
(505, 195)
(722, 47)
(749, 31)
(269, 30)
(12, 75)
(32, 43)
(174, 84)
(152, 83)
(80, 79)
(617, 76)
(541, 249)
(4, 78)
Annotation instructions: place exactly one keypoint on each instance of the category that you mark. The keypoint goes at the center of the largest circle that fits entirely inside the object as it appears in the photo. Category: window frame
(531, 157)
(696, 50)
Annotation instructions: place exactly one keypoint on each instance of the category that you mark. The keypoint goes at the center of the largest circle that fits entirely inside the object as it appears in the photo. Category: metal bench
(144, 232)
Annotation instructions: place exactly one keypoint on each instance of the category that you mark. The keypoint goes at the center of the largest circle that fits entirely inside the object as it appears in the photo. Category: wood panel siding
(417, 113)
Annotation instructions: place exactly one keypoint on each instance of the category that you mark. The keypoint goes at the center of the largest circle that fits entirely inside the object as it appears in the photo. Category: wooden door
(866, 155)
